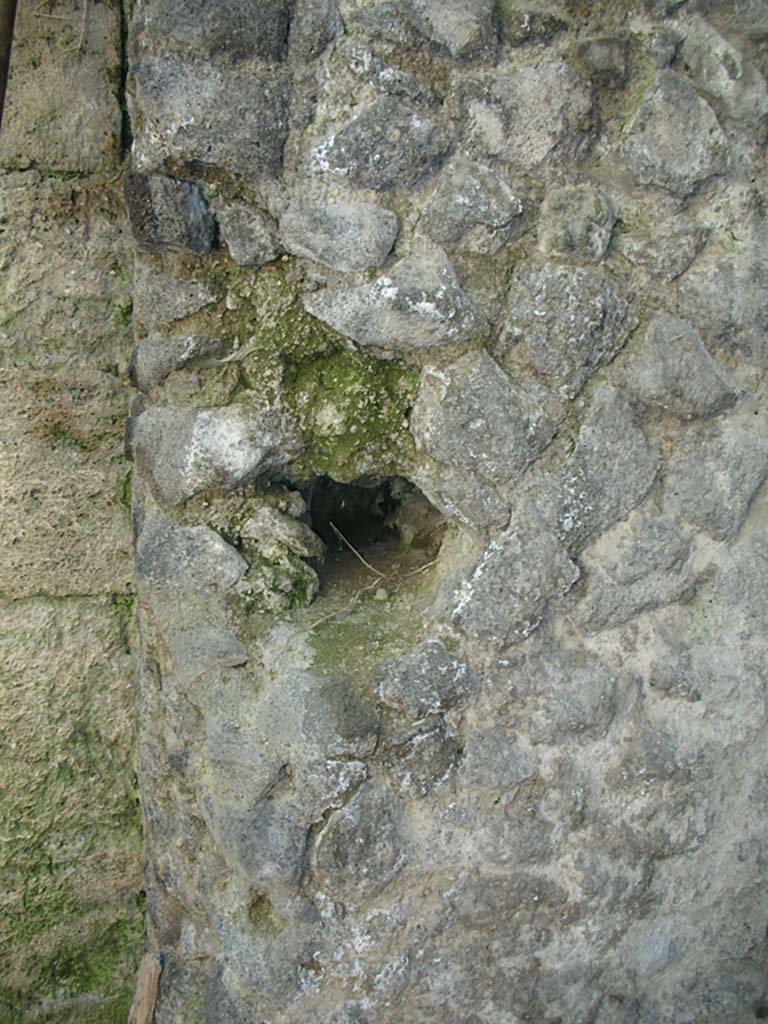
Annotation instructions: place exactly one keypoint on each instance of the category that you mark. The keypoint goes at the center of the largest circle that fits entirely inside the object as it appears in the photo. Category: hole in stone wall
(385, 522)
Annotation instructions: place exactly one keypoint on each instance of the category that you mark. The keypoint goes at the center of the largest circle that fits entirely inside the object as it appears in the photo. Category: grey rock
(389, 144)
(362, 847)
(237, 29)
(605, 59)
(566, 691)
(463, 30)
(419, 304)
(274, 530)
(185, 557)
(669, 367)
(167, 215)
(721, 71)
(184, 450)
(376, 73)
(505, 596)
(726, 298)
(473, 209)
(425, 760)
(154, 358)
(266, 842)
(565, 323)
(609, 472)
(460, 495)
(494, 760)
(198, 650)
(340, 719)
(663, 247)
(248, 235)
(641, 564)
(521, 25)
(711, 479)
(674, 141)
(528, 114)
(662, 45)
(347, 236)
(471, 416)
(160, 298)
(313, 28)
(427, 683)
(576, 224)
(233, 116)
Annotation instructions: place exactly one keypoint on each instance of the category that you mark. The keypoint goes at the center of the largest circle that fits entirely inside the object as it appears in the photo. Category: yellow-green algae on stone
(71, 920)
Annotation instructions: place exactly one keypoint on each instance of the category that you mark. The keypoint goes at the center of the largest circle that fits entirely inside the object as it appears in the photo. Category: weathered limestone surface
(482, 732)
(71, 914)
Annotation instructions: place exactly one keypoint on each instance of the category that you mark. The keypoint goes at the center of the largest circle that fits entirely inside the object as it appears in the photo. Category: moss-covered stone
(353, 411)
(71, 922)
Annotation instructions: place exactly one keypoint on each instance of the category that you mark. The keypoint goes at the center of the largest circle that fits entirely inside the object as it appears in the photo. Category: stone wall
(471, 298)
(71, 916)
(449, 441)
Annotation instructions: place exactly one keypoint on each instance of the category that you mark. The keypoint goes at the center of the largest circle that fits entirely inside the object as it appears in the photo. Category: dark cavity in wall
(384, 521)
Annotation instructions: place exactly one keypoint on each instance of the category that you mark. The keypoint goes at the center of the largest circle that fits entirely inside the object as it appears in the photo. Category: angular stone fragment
(185, 450)
(674, 141)
(471, 416)
(669, 367)
(726, 298)
(460, 495)
(387, 145)
(523, 115)
(664, 247)
(362, 847)
(248, 235)
(637, 566)
(576, 224)
(711, 479)
(175, 557)
(167, 215)
(418, 305)
(426, 683)
(161, 299)
(265, 842)
(198, 650)
(313, 28)
(424, 760)
(565, 323)
(154, 358)
(610, 471)
(233, 116)
(348, 236)
(463, 29)
(235, 29)
(505, 597)
(721, 71)
(473, 209)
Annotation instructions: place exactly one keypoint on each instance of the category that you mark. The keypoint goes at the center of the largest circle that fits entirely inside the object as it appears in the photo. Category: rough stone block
(389, 144)
(62, 109)
(576, 224)
(167, 215)
(185, 450)
(71, 929)
(674, 141)
(65, 524)
(473, 209)
(470, 415)
(65, 289)
(565, 323)
(248, 234)
(419, 304)
(345, 235)
(230, 116)
(670, 368)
